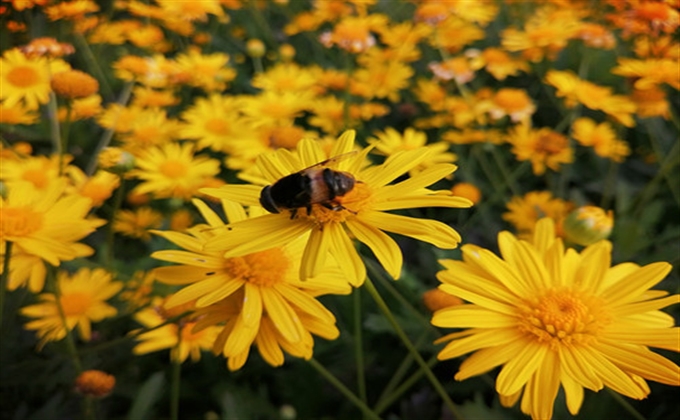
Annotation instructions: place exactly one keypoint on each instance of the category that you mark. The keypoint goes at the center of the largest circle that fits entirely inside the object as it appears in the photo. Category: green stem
(64, 137)
(174, 390)
(368, 413)
(667, 165)
(407, 342)
(110, 235)
(358, 346)
(93, 63)
(55, 134)
(509, 181)
(389, 394)
(609, 185)
(108, 134)
(625, 404)
(405, 386)
(5, 277)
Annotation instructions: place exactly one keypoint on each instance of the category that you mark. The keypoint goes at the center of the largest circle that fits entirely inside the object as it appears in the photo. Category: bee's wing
(331, 161)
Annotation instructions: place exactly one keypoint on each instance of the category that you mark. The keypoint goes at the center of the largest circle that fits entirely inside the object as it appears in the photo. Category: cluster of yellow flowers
(221, 136)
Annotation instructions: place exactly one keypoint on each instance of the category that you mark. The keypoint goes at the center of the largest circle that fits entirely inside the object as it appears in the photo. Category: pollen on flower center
(563, 316)
(19, 222)
(217, 126)
(75, 303)
(173, 169)
(352, 203)
(23, 76)
(265, 268)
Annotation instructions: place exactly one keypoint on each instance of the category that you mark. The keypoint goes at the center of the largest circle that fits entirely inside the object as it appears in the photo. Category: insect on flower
(317, 184)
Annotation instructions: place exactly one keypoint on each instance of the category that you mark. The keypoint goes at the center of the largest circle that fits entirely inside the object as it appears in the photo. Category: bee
(317, 184)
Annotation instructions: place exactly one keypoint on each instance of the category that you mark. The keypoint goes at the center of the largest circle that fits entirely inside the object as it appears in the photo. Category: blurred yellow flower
(362, 212)
(71, 10)
(178, 336)
(649, 73)
(47, 223)
(74, 84)
(82, 298)
(206, 71)
(525, 211)
(17, 114)
(27, 80)
(354, 33)
(554, 318)
(97, 188)
(543, 147)
(467, 190)
(511, 102)
(172, 170)
(497, 62)
(601, 137)
(138, 222)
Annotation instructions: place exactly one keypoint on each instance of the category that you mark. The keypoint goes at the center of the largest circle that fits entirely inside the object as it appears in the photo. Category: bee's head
(267, 201)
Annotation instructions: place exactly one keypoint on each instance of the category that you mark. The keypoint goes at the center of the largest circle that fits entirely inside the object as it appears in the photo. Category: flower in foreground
(553, 317)
(363, 214)
(255, 298)
(82, 298)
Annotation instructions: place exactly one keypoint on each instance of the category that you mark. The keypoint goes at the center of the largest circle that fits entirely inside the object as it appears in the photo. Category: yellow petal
(486, 359)
(641, 361)
(481, 339)
(421, 201)
(305, 302)
(431, 231)
(189, 258)
(385, 249)
(636, 283)
(315, 253)
(573, 393)
(346, 255)
(574, 364)
(519, 369)
(268, 345)
(252, 306)
(248, 195)
(225, 289)
(612, 376)
(471, 316)
(281, 315)
(544, 386)
(180, 274)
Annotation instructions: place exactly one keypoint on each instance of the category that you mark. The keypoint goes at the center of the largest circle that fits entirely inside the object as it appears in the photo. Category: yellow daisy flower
(601, 137)
(454, 33)
(41, 171)
(27, 80)
(360, 213)
(82, 297)
(353, 33)
(390, 141)
(649, 73)
(497, 62)
(46, 223)
(542, 147)
(525, 211)
(285, 77)
(180, 337)
(380, 78)
(17, 114)
(137, 223)
(98, 188)
(71, 10)
(206, 71)
(557, 318)
(149, 127)
(172, 170)
(259, 296)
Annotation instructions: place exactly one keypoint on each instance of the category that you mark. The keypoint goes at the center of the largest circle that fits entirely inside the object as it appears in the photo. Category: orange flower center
(217, 126)
(551, 143)
(265, 268)
(23, 76)
(563, 316)
(37, 177)
(351, 203)
(75, 303)
(18, 222)
(174, 169)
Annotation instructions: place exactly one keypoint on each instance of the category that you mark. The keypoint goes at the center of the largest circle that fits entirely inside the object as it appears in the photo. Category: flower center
(563, 316)
(353, 202)
(36, 177)
(23, 76)
(75, 303)
(216, 126)
(265, 268)
(17, 222)
(173, 169)
(551, 143)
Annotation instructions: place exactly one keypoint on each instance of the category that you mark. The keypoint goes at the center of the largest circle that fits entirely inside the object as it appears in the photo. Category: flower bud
(95, 383)
(587, 225)
(255, 48)
(116, 160)
(437, 299)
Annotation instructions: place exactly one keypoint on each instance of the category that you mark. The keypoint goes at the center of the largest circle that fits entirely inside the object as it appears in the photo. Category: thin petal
(612, 376)
(315, 253)
(544, 386)
(422, 201)
(346, 254)
(486, 359)
(574, 364)
(395, 166)
(423, 179)
(641, 361)
(252, 305)
(471, 316)
(189, 258)
(310, 152)
(520, 368)
(305, 302)
(248, 195)
(268, 345)
(663, 338)
(479, 340)
(281, 315)
(226, 288)
(431, 231)
(636, 283)
(573, 393)
(385, 249)
(646, 306)
(207, 213)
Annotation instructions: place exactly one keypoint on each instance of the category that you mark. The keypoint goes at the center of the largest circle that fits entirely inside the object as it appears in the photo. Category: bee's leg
(293, 213)
(309, 210)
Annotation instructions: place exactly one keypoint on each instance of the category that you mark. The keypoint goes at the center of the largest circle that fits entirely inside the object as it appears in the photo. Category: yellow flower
(137, 223)
(46, 223)
(206, 71)
(353, 33)
(649, 73)
(390, 141)
(524, 212)
(497, 62)
(601, 137)
(192, 11)
(47, 47)
(26, 79)
(82, 108)
(454, 33)
(555, 318)
(97, 188)
(82, 297)
(543, 147)
(178, 336)
(467, 190)
(362, 212)
(148, 127)
(71, 10)
(545, 33)
(651, 103)
(17, 114)
(380, 77)
(41, 171)
(216, 122)
(515, 103)
(172, 170)
(587, 225)
(285, 77)
(259, 297)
